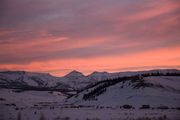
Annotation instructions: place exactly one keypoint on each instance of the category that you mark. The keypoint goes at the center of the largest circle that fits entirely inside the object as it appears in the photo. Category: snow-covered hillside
(154, 90)
(72, 81)
(145, 87)
(76, 80)
(31, 81)
(29, 98)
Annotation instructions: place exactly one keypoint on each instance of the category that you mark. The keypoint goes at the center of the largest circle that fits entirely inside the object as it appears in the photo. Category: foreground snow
(59, 113)
(29, 98)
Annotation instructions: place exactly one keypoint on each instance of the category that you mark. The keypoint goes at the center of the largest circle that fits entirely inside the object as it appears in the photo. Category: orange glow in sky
(105, 35)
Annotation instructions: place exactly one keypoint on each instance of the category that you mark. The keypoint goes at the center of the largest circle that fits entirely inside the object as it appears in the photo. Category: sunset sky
(58, 36)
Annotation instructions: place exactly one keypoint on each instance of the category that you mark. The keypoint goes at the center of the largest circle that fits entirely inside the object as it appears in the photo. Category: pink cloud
(154, 11)
(86, 36)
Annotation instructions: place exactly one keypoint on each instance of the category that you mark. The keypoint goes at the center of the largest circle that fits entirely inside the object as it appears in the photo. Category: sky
(58, 36)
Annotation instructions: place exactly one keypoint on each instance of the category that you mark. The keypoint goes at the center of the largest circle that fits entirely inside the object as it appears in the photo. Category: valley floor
(60, 113)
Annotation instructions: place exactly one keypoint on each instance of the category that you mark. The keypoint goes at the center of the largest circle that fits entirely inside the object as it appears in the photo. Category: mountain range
(155, 87)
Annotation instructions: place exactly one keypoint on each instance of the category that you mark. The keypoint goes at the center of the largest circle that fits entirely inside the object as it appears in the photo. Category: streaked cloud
(61, 35)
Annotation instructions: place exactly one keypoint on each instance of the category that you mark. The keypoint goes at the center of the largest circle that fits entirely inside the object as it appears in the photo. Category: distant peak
(97, 73)
(74, 73)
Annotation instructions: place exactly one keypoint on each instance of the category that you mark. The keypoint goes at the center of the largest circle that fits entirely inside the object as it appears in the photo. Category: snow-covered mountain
(31, 81)
(154, 88)
(98, 76)
(75, 94)
(72, 81)
(76, 80)
(27, 78)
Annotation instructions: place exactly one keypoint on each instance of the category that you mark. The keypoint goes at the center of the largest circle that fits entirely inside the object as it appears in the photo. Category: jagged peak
(74, 73)
(98, 73)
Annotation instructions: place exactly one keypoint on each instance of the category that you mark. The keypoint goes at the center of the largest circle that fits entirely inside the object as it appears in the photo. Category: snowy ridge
(153, 88)
(72, 81)
(76, 80)
(29, 80)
